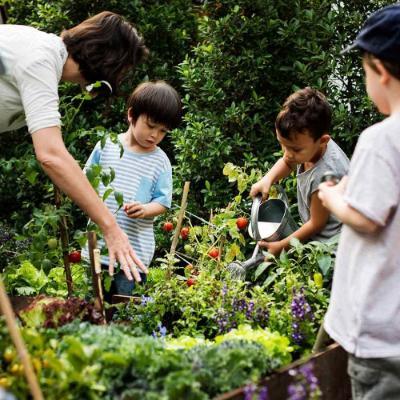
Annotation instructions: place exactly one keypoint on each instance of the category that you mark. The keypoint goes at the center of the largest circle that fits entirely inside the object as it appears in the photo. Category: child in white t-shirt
(364, 310)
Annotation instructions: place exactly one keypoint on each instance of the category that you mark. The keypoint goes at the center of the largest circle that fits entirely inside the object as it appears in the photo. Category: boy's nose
(288, 155)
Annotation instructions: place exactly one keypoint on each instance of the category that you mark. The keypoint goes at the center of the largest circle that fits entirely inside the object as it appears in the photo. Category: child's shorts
(121, 285)
(374, 378)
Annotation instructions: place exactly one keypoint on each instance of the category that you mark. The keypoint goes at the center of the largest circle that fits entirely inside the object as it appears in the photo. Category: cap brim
(351, 47)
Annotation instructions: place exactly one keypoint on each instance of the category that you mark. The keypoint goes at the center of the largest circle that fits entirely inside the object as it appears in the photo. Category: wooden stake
(180, 218)
(322, 340)
(18, 341)
(63, 226)
(95, 264)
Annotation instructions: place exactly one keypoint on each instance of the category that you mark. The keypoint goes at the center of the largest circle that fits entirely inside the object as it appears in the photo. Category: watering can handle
(254, 217)
(282, 195)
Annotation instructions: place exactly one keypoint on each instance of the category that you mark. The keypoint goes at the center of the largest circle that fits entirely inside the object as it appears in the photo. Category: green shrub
(169, 29)
(251, 55)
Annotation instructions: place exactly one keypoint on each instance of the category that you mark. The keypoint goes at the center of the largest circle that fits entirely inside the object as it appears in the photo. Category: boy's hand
(274, 248)
(135, 210)
(331, 194)
(262, 186)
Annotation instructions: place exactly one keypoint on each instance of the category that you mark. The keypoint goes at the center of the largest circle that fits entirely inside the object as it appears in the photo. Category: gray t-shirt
(33, 63)
(334, 160)
(364, 311)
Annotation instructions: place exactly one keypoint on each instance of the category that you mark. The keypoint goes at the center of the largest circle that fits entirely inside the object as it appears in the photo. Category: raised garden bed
(330, 367)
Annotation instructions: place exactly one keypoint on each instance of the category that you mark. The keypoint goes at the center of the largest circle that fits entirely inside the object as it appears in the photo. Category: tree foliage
(251, 54)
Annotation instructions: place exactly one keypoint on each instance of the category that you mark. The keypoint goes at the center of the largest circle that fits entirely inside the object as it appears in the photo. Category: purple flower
(263, 393)
(249, 391)
(162, 331)
(305, 384)
(301, 311)
(297, 392)
(146, 299)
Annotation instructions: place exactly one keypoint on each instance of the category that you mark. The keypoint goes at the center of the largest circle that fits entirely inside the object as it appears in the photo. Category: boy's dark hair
(105, 47)
(157, 100)
(306, 110)
(392, 67)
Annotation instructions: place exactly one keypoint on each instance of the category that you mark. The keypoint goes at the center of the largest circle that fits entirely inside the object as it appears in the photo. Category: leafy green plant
(27, 280)
(108, 362)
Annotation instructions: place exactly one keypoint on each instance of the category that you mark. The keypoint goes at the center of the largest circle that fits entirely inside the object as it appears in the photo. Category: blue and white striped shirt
(143, 177)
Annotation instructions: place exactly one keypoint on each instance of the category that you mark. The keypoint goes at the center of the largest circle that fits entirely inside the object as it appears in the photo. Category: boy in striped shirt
(143, 173)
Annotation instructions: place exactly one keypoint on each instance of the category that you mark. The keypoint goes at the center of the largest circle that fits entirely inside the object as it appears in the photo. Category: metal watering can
(270, 221)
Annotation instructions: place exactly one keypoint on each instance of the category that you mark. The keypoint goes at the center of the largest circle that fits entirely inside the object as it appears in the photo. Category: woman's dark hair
(105, 47)
(306, 110)
(158, 101)
(392, 67)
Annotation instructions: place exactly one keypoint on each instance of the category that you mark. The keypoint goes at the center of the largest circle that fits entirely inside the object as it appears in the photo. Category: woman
(103, 47)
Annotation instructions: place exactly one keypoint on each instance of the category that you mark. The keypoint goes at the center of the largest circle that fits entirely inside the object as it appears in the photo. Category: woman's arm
(65, 172)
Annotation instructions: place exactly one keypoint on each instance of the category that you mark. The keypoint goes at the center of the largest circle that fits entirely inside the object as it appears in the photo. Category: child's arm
(332, 199)
(318, 218)
(139, 210)
(280, 170)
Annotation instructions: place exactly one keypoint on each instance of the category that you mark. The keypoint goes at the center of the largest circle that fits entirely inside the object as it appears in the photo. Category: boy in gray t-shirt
(364, 310)
(302, 129)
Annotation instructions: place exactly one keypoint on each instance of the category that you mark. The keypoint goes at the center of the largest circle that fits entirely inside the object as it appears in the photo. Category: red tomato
(213, 253)
(190, 282)
(74, 256)
(184, 233)
(241, 223)
(168, 226)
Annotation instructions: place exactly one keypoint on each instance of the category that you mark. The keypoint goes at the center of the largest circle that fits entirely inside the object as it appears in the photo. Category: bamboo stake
(179, 222)
(63, 226)
(95, 264)
(16, 337)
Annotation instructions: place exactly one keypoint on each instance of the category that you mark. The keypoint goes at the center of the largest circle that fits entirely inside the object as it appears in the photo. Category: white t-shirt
(33, 62)
(364, 311)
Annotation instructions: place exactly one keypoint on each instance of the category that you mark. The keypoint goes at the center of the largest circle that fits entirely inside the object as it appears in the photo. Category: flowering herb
(301, 311)
(305, 384)
(161, 331)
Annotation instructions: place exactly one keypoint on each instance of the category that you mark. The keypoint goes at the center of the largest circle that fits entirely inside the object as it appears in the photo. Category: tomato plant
(74, 256)
(213, 253)
(185, 233)
(190, 282)
(168, 226)
(242, 223)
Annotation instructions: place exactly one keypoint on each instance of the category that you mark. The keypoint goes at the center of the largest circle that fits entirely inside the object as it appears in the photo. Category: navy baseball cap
(380, 34)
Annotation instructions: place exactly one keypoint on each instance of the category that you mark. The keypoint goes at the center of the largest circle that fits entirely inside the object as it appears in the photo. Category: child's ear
(325, 138)
(384, 75)
(131, 120)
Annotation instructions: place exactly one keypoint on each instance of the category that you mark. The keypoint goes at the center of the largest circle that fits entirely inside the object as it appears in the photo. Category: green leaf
(105, 179)
(324, 263)
(31, 176)
(261, 268)
(232, 253)
(107, 279)
(107, 193)
(112, 174)
(269, 280)
(119, 198)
